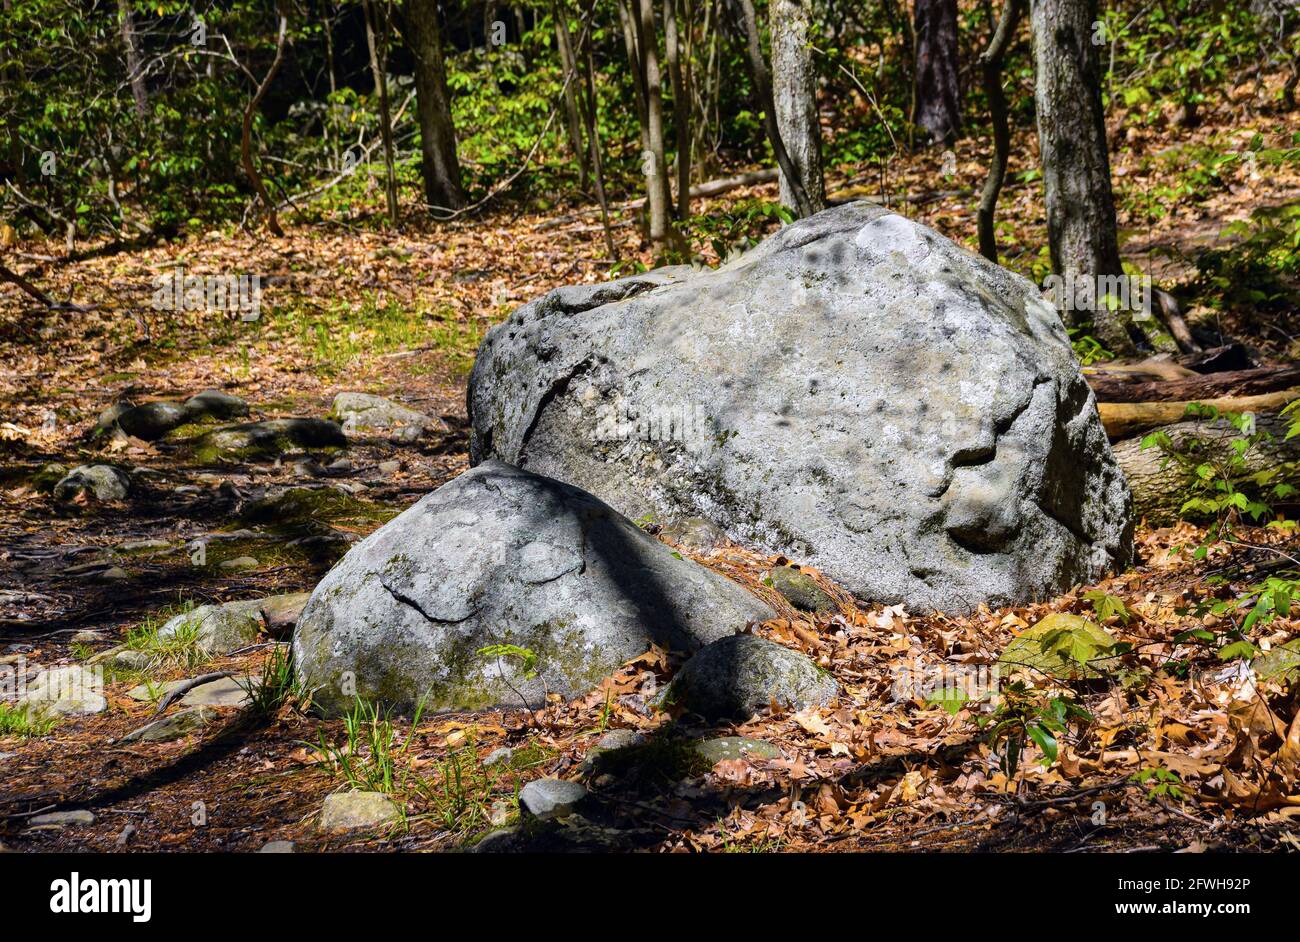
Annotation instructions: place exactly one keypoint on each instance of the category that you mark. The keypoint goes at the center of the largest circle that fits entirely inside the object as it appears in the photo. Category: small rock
(503, 754)
(107, 420)
(267, 440)
(619, 739)
(349, 811)
(801, 590)
(363, 412)
(695, 532)
(226, 692)
(736, 677)
(390, 467)
(277, 847)
(498, 813)
(152, 420)
(216, 404)
(547, 798)
(239, 563)
(143, 546)
(66, 690)
(87, 635)
(172, 727)
(102, 481)
(64, 818)
(111, 574)
(122, 658)
(280, 612)
(219, 629)
(500, 841)
(151, 692)
(736, 747)
(125, 837)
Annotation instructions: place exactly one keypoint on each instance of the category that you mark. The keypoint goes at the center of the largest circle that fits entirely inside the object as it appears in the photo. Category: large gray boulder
(857, 392)
(500, 556)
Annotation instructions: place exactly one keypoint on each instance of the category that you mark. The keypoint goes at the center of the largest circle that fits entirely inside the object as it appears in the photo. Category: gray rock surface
(351, 811)
(101, 481)
(216, 404)
(801, 590)
(857, 392)
(226, 692)
(269, 439)
(218, 629)
(66, 690)
(360, 412)
(172, 727)
(278, 847)
(736, 747)
(64, 818)
(739, 676)
(503, 557)
(547, 798)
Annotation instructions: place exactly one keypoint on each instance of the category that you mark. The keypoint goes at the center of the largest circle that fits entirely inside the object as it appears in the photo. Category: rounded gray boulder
(736, 677)
(497, 587)
(857, 393)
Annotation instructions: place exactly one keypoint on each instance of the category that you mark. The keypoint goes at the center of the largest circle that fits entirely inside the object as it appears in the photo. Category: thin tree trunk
(134, 63)
(246, 134)
(937, 106)
(592, 118)
(564, 42)
(991, 64)
(763, 93)
(377, 33)
(653, 162)
(681, 107)
(439, 164)
(1081, 228)
(794, 92)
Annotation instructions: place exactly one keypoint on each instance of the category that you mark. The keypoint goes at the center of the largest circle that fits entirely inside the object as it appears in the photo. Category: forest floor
(349, 307)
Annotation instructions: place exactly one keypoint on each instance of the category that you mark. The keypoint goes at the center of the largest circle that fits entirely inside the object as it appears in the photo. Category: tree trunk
(1252, 382)
(652, 162)
(438, 162)
(1076, 166)
(1122, 419)
(758, 74)
(1160, 490)
(938, 90)
(590, 116)
(134, 64)
(377, 31)
(794, 93)
(246, 132)
(991, 65)
(564, 42)
(681, 106)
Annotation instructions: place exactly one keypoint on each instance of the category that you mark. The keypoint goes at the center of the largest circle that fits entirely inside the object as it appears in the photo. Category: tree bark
(1076, 166)
(794, 93)
(758, 74)
(1160, 490)
(1122, 419)
(134, 63)
(653, 163)
(677, 76)
(590, 116)
(246, 133)
(938, 87)
(377, 32)
(991, 66)
(439, 164)
(564, 42)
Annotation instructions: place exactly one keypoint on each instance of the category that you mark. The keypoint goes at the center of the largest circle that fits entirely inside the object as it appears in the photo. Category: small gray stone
(801, 590)
(101, 481)
(111, 574)
(64, 818)
(696, 533)
(500, 841)
(152, 420)
(350, 811)
(364, 412)
(107, 420)
(215, 404)
(736, 747)
(152, 692)
(143, 546)
(125, 837)
(66, 690)
(219, 629)
(503, 754)
(738, 676)
(281, 612)
(226, 692)
(547, 798)
(172, 727)
(239, 564)
(619, 739)
(123, 658)
(390, 467)
(87, 635)
(278, 847)
(269, 439)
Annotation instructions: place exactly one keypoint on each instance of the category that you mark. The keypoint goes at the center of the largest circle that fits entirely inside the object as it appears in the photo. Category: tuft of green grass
(368, 757)
(277, 685)
(179, 650)
(25, 722)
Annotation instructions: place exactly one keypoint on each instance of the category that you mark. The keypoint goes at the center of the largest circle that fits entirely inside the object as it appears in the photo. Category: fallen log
(1160, 489)
(1131, 388)
(1122, 419)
